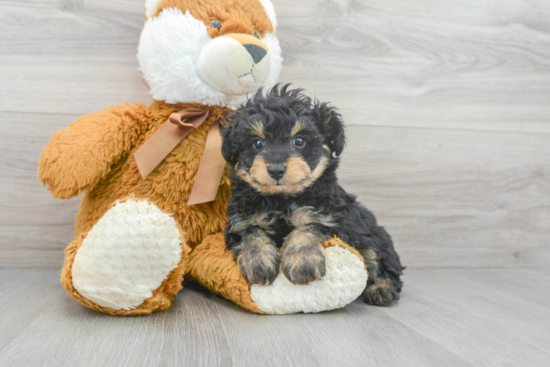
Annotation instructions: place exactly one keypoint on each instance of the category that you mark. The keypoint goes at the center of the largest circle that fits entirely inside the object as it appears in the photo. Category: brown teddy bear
(153, 176)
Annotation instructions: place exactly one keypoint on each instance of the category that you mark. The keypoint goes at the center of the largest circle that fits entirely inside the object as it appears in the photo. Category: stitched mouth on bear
(297, 175)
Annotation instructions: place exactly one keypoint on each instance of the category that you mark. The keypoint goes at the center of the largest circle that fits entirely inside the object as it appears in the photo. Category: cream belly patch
(127, 255)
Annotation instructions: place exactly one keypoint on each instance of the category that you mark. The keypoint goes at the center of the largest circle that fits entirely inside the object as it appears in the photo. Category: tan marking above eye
(258, 130)
(298, 126)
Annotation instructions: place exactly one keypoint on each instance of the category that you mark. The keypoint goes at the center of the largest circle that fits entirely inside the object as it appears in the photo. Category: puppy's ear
(331, 125)
(229, 147)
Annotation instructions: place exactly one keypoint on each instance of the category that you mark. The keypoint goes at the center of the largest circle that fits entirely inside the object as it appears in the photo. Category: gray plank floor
(446, 317)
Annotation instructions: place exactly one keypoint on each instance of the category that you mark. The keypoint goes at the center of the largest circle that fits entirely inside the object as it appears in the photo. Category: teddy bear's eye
(216, 24)
(256, 34)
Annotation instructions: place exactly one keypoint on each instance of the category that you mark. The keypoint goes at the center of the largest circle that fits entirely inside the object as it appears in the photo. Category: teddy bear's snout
(234, 63)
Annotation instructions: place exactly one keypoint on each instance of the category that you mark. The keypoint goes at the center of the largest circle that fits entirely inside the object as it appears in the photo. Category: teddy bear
(153, 177)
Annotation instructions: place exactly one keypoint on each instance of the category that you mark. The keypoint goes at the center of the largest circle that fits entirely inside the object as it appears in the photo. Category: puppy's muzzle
(276, 172)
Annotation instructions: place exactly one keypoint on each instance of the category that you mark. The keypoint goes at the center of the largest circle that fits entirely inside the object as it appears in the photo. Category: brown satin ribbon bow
(168, 136)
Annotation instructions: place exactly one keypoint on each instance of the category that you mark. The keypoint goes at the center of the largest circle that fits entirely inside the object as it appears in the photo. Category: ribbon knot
(170, 134)
(190, 117)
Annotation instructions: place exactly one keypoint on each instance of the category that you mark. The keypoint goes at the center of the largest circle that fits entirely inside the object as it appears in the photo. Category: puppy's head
(282, 142)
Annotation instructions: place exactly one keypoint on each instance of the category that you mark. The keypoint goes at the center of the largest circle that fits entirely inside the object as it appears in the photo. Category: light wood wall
(447, 105)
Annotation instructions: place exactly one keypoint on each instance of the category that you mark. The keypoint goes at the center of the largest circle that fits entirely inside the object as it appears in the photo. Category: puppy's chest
(279, 227)
(283, 221)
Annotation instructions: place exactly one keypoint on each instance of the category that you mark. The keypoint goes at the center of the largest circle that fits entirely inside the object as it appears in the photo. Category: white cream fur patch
(151, 7)
(227, 66)
(168, 56)
(127, 255)
(344, 281)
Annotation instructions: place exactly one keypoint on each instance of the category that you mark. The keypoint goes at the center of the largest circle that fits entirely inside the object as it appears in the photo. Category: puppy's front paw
(259, 260)
(381, 293)
(303, 265)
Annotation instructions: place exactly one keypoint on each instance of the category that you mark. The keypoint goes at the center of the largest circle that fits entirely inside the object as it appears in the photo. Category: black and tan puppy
(286, 201)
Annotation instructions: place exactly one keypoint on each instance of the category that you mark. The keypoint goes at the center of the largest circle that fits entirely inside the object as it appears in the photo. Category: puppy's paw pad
(304, 265)
(381, 293)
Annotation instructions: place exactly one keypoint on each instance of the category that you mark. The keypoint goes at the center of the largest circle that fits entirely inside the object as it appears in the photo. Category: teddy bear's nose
(256, 52)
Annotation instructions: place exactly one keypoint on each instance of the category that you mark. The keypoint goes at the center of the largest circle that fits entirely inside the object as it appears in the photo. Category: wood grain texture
(480, 65)
(449, 198)
(447, 105)
(435, 63)
(446, 317)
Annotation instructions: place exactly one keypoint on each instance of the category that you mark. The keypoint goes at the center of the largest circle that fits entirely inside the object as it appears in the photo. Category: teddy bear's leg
(130, 263)
(213, 266)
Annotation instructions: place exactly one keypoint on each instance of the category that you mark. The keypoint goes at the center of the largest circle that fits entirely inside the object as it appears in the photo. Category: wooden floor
(447, 105)
(457, 317)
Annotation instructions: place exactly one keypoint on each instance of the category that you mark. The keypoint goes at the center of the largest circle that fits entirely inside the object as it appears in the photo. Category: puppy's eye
(258, 144)
(216, 24)
(256, 34)
(299, 141)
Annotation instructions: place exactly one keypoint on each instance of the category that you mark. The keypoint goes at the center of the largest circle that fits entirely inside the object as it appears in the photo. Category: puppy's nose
(256, 52)
(276, 171)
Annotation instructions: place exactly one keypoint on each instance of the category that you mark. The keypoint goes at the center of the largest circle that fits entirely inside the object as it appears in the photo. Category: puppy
(286, 202)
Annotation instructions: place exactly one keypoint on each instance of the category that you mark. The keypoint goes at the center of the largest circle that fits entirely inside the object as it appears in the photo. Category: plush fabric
(213, 266)
(270, 10)
(96, 151)
(344, 281)
(151, 7)
(134, 237)
(215, 69)
(95, 155)
(238, 16)
(176, 35)
(127, 255)
(161, 297)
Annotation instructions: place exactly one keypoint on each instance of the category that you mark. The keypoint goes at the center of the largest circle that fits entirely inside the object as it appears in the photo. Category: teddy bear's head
(212, 52)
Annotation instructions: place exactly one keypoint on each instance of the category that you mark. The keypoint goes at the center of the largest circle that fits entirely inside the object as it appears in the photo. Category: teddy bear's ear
(331, 124)
(151, 7)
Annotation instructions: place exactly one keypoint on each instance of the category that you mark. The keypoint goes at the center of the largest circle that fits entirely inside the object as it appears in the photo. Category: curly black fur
(298, 216)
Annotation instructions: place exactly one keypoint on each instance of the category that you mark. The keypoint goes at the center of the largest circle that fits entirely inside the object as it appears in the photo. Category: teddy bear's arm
(76, 158)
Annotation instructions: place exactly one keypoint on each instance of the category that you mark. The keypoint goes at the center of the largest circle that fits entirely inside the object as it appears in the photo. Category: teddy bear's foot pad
(343, 282)
(214, 266)
(127, 255)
